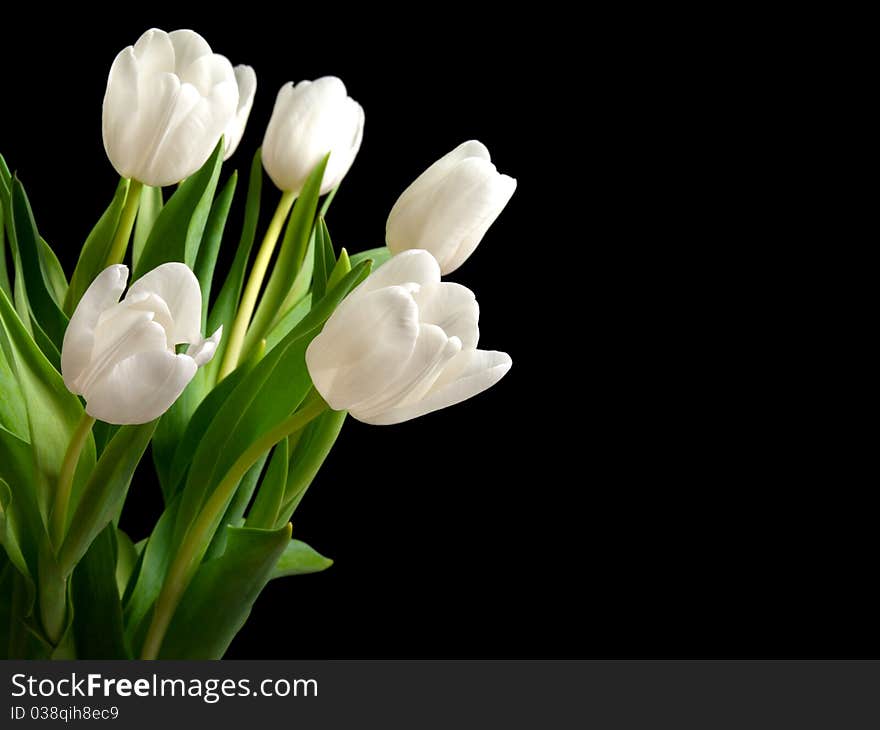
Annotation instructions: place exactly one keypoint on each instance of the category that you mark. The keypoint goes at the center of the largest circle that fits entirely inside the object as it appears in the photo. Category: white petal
(409, 267)
(497, 195)
(467, 374)
(363, 349)
(79, 339)
(140, 388)
(247, 89)
(118, 113)
(177, 285)
(432, 351)
(439, 170)
(189, 46)
(452, 307)
(154, 51)
(202, 352)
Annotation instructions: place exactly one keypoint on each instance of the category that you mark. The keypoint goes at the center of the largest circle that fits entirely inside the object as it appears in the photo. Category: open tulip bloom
(239, 384)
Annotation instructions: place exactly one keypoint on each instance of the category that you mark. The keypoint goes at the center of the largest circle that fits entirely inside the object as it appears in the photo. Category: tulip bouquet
(238, 384)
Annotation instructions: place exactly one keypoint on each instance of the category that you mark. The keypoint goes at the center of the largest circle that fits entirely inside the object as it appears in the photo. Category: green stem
(126, 223)
(254, 284)
(58, 518)
(198, 536)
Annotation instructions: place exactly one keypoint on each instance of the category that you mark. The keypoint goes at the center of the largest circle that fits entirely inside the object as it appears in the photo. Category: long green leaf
(5, 283)
(290, 258)
(104, 493)
(219, 598)
(207, 258)
(177, 233)
(96, 249)
(53, 411)
(377, 255)
(53, 273)
(45, 310)
(271, 494)
(228, 298)
(299, 559)
(264, 397)
(237, 506)
(97, 611)
(150, 206)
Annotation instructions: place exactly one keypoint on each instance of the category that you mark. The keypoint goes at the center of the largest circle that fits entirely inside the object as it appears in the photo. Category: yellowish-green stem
(197, 538)
(254, 284)
(58, 518)
(125, 225)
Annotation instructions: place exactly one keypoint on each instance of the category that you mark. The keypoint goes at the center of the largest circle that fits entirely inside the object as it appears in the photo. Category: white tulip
(450, 206)
(168, 100)
(247, 88)
(403, 344)
(309, 120)
(120, 355)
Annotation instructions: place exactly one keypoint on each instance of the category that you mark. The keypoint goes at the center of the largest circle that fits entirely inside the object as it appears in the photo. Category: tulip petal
(436, 172)
(141, 388)
(176, 284)
(247, 89)
(432, 351)
(363, 349)
(120, 104)
(452, 307)
(495, 197)
(79, 339)
(203, 350)
(188, 46)
(467, 374)
(414, 266)
(154, 52)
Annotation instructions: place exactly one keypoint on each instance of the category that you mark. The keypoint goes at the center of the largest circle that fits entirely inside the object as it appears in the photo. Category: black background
(637, 484)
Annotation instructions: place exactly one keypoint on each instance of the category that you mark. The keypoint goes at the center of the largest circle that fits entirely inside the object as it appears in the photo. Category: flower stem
(198, 536)
(58, 518)
(126, 223)
(255, 282)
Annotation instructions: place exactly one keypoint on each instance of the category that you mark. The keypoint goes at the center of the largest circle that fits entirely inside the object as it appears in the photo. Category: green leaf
(177, 231)
(343, 266)
(288, 322)
(237, 506)
(207, 258)
(261, 400)
(199, 423)
(104, 493)
(126, 560)
(271, 494)
(290, 258)
(377, 255)
(224, 308)
(44, 309)
(5, 283)
(325, 261)
(146, 579)
(53, 273)
(299, 559)
(96, 249)
(53, 411)
(150, 206)
(311, 451)
(13, 411)
(219, 598)
(97, 611)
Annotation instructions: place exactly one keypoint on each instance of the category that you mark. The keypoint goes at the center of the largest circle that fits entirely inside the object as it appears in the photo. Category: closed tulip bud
(403, 344)
(168, 100)
(450, 206)
(311, 119)
(247, 88)
(121, 355)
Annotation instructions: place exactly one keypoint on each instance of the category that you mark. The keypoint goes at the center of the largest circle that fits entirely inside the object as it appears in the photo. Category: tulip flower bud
(311, 119)
(450, 206)
(121, 356)
(168, 100)
(247, 88)
(403, 344)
